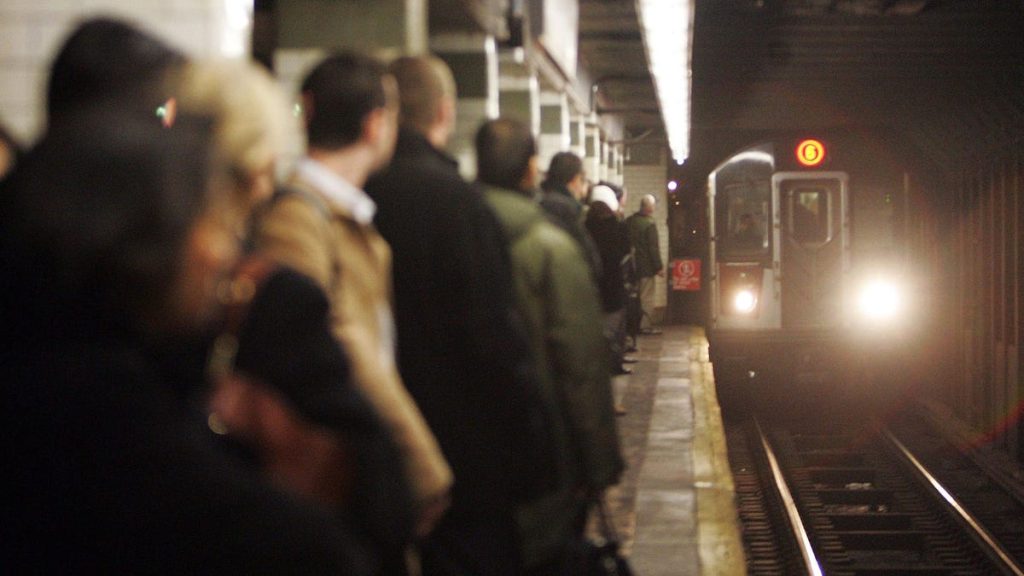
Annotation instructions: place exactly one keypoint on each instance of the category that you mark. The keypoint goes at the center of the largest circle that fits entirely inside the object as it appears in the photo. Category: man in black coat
(460, 350)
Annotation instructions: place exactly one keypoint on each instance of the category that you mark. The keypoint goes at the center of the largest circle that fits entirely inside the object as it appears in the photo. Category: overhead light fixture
(667, 30)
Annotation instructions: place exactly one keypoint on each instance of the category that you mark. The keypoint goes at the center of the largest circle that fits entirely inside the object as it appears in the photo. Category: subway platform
(674, 508)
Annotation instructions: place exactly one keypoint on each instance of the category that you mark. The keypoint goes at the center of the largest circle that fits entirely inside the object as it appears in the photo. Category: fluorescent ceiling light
(667, 30)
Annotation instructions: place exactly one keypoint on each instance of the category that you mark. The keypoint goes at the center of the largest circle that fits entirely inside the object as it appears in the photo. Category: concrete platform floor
(674, 507)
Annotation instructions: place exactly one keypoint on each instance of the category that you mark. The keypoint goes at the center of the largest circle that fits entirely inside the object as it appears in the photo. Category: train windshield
(742, 205)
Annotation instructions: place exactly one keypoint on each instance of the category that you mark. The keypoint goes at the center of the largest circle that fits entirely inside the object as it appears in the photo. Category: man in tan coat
(323, 228)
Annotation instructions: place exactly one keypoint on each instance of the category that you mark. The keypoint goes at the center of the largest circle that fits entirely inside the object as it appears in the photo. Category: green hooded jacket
(643, 235)
(558, 299)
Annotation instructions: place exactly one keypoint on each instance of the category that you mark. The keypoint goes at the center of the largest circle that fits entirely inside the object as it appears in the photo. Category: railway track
(863, 503)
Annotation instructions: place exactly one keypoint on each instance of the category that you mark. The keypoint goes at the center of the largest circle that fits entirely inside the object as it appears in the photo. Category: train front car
(808, 298)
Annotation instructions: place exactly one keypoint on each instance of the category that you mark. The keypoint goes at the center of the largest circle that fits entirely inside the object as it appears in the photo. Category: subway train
(810, 285)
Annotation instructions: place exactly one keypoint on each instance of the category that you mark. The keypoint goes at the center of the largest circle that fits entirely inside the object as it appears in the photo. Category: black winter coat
(462, 352)
(612, 242)
(106, 472)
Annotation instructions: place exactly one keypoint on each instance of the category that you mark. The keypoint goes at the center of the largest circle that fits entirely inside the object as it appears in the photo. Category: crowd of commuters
(368, 366)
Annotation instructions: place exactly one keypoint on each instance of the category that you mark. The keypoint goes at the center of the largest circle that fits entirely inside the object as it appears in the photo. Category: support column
(307, 30)
(578, 134)
(602, 157)
(615, 163)
(592, 158)
(519, 89)
(554, 126)
(395, 26)
(473, 59)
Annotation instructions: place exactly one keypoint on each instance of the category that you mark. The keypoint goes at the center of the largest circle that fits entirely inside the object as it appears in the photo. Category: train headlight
(880, 300)
(744, 301)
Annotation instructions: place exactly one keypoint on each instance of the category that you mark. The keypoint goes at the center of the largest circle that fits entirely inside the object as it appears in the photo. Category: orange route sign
(810, 152)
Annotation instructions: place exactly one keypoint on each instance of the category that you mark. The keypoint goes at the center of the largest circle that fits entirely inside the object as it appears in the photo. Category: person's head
(647, 204)
(127, 225)
(566, 172)
(252, 122)
(506, 155)
(427, 91)
(349, 99)
(603, 199)
(10, 151)
(106, 59)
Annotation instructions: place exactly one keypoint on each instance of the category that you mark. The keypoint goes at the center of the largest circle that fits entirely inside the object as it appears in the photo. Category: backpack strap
(263, 209)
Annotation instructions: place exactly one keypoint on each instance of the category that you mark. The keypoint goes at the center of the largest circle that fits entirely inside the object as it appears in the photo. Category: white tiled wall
(32, 30)
(641, 180)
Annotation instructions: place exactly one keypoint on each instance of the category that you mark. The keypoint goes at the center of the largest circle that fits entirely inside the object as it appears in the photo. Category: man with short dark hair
(324, 229)
(460, 353)
(564, 190)
(556, 293)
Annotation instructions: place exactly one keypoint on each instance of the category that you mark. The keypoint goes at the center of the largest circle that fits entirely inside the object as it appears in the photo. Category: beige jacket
(334, 243)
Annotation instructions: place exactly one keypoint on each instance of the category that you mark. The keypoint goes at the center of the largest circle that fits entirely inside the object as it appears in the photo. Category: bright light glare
(667, 30)
(236, 27)
(880, 300)
(672, 185)
(744, 302)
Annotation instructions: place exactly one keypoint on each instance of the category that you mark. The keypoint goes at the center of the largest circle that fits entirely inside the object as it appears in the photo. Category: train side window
(809, 215)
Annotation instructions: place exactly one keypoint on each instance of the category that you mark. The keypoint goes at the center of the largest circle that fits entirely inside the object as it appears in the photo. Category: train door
(812, 225)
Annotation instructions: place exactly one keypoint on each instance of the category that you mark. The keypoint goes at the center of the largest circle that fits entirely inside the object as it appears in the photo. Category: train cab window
(809, 210)
(745, 223)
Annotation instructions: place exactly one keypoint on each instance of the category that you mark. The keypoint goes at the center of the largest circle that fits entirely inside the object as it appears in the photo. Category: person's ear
(446, 113)
(529, 181)
(308, 106)
(375, 125)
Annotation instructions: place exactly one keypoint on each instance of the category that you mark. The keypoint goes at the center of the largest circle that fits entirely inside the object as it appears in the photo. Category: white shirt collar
(338, 190)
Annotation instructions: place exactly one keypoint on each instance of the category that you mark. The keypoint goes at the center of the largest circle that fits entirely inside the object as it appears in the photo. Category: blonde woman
(282, 385)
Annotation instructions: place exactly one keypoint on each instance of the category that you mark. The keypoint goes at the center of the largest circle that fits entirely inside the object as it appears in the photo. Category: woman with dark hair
(114, 234)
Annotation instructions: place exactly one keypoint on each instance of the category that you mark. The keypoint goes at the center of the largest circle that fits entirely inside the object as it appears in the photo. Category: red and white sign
(686, 274)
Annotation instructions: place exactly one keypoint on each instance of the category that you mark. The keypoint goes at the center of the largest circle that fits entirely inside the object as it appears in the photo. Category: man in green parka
(557, 297)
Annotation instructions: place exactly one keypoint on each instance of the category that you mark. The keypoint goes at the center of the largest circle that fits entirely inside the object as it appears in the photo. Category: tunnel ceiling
(945, 79)
(612, 51)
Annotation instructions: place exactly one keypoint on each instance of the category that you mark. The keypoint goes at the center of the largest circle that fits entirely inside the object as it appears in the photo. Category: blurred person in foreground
(113, 234)
(324, 229)
(281, 386)
(555, 292)
(462, 351)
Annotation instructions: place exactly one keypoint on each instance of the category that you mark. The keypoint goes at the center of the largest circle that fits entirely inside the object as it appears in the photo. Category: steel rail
(997, 552)
(792, 514)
